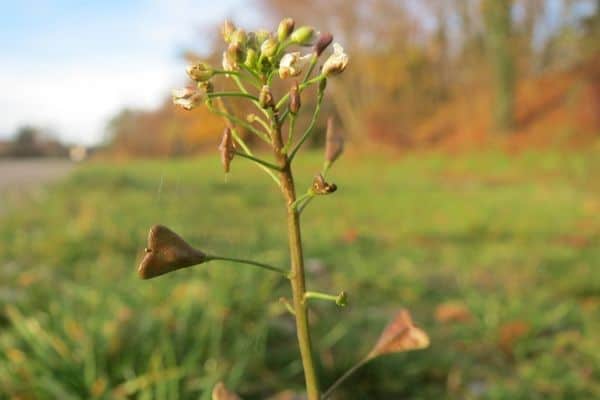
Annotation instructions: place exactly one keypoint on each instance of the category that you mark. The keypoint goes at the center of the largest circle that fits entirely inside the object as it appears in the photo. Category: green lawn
(515, 241)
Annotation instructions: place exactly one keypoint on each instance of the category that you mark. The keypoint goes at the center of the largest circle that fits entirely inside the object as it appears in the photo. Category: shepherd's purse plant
(252, 62)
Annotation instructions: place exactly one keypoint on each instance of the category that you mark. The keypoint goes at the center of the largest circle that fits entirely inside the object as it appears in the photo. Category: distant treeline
(33, 142)
(423, 73)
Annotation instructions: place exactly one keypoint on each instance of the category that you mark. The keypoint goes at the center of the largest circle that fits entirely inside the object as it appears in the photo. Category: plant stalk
(297, 265)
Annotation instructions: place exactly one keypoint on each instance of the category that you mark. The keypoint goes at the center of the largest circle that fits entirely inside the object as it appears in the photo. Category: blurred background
(468, 194)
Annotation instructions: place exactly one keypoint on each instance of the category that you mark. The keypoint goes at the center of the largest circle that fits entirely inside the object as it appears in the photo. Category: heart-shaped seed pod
(400, 335)
(167, 252)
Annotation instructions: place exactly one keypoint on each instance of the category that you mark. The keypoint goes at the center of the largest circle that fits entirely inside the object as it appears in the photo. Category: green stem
(305, 204)
(248, 262)
(290, 133)
(243, 145)
(310, 127)
(321, 296)
(241, 122)
(232, 94)
(297, 278)
(345, 376)
(241, 86)
(259, 161)
(300, 199)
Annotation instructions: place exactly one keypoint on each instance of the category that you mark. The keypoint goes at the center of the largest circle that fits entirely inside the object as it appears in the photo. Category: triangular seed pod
(334, 142)
(400, 335)
(167, 252)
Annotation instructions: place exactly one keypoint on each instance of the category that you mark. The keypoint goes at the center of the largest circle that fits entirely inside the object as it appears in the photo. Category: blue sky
(71, 65)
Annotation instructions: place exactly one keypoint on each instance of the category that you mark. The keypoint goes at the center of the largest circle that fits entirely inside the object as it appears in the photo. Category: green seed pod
(303, 35)
(286, 26)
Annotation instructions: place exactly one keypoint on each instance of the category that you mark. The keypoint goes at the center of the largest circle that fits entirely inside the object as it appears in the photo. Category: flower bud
(188, 98)
(236, 52)
(251, 58)
(239, 37)
(262, 35)
(334, 143)
(295, 102)
(292, 64)
(337, 62)
(303, 35)
(269, 47)
(285, 28)
(200, 72)
(319, 186)
(324, 41)
(400, 335)
(227, 149)
(167, 252)
(227, 30)
(342, 299)
(265, 98)
(251, 118)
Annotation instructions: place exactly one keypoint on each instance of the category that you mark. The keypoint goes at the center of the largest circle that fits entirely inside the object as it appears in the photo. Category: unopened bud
(251, 118)
(227, 30)
(269, 47)
(262, 35)
(319, 186)
(265, 98)
(303, 35)
(227, 149)
(334, 143)
(324, 41)
(286, 26)
(239, 37)
(400, 335)
(251, 58)
(236, 52)
(295, 102)
(200, 72)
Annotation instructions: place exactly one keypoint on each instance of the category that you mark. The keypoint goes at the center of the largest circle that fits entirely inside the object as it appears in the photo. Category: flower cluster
(263, 55)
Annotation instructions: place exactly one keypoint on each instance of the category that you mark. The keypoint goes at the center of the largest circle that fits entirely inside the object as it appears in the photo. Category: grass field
(497, 257)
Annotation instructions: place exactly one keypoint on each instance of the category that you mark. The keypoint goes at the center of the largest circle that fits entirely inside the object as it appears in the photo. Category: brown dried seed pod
(400, 335)
(295, 102)
(167, 252)
(334, 142)
(227, 149)
(319, 186)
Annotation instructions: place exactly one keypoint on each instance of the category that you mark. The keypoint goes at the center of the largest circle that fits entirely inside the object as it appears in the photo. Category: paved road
(19, 175)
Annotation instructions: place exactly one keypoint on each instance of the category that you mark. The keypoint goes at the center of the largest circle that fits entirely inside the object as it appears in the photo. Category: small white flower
(337, 62)
(292, 64)
(188, 98)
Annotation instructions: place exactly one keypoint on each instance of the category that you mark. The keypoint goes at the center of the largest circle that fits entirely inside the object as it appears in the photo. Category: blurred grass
(514, 241)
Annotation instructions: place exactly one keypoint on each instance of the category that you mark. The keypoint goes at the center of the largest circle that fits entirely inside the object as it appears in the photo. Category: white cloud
(76, 92)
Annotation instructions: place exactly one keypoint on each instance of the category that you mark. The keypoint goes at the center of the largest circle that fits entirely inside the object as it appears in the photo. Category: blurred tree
(498, 19)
